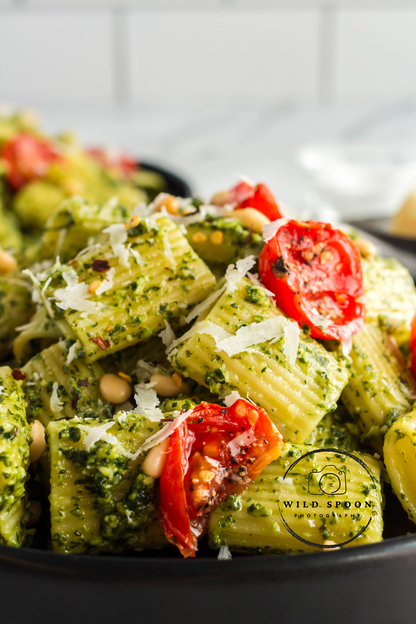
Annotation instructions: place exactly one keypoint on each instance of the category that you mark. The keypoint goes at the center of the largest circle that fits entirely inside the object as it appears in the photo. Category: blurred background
(218, 88)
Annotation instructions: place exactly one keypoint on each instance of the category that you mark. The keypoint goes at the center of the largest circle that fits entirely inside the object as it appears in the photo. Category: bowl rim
(164, 570)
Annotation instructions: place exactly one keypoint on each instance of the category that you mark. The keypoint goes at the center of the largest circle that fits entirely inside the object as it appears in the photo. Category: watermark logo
(323, 489)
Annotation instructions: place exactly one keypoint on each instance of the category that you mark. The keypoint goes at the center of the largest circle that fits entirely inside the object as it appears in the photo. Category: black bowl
(372, 584)
(381, 229)
(175, 184)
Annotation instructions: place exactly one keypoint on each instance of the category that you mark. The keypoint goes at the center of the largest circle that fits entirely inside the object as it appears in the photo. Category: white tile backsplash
(124, 51)
(57, 57)
(256, 54)
(375, 53)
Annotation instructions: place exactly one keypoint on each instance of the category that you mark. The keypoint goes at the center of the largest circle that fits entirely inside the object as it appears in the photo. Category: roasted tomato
(316, 276)
(258, 197)
(26, 158)
(115, 160)
(413, 347)
(215, 452)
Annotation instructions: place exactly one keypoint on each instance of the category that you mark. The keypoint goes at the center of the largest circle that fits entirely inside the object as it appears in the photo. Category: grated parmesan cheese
(118, 236)
(136, 255)
(167, 335)
(253, 334)
(164, 433)
(73, 352)
(231, 398)
(203, 327)
(147, 402)
(235, 273)
(76, 298)
(204, 304)
(241, 441)
(167, 250)
(55, 404)
(107, 283)
(224, 553)
(38, 294)
(94, 434)
(270, 230)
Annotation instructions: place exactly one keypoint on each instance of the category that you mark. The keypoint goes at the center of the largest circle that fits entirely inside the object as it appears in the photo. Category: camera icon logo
(329, 480)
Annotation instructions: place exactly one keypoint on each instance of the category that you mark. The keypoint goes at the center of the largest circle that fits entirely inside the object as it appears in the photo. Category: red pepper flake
(100, 266)
(103, 344)
(83, 383)
(18, 375)
(74, 401)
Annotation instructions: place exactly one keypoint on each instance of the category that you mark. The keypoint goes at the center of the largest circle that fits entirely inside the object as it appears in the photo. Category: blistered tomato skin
(114, 160)
(316, 276)
(259, 197)
(27, 157)
(214, 453)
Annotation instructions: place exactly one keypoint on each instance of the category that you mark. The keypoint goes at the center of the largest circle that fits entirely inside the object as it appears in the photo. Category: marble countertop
(212, 142)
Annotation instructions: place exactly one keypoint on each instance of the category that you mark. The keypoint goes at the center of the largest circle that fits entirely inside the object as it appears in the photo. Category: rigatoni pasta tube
(100, 499)
(380, 387)
(14, 460)
(59, 384)
(134, 287)
(295, 397)
(302, 512)
(400, 460)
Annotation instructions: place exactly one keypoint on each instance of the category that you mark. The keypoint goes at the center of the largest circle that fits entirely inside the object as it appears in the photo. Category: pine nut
(199, 237)
(94, 286)
(168, 201)
(221, 198)
(7, 262)
(124, 376)
(365, 247)
(167, 387)
(134, 221)
(35, 511)
(155, 460)
(38, 444)
(114, 389)
(217, 237)
(177, 379)
(251, 218)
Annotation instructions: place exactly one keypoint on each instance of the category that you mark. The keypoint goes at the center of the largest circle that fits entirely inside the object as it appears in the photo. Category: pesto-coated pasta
(335, 430)
(100, 500)
(39, 334)
(295, 397)
(400, 459)
(59, 384)
(70, 228)
(390, 292)
(150, 277)
(14, 460)
(221, 241)
(16, 308)
(380, 387)
(253, 522)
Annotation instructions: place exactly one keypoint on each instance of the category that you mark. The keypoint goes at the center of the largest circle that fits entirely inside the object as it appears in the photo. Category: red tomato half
(215, 452)
(114, 160)
(316, 276)
(26, 158)
(258, 197)
(413, 347)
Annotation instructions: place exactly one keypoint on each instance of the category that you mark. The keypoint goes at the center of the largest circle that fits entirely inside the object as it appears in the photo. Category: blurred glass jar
(352, 181)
